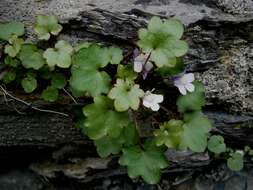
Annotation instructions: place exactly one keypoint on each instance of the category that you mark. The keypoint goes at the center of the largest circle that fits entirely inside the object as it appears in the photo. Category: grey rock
(236, 182)
(21, 180)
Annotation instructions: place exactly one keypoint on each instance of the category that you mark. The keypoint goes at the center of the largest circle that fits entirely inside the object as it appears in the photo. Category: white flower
(152, 100)
(139, 63)
(184, 83)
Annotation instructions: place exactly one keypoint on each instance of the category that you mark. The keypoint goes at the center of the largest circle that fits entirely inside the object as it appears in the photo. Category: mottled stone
(230, 81)
(236, 6)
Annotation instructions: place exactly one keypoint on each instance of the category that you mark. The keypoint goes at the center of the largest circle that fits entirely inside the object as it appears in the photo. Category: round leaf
(11, 28)
(31, 57)
(29, 84)
(50, 94)
(216, 144)
(235, 162)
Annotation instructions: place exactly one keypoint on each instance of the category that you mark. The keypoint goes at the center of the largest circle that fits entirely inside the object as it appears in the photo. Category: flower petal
(138, 66)
(155, 107)
(158, 98)
(181, 89)
(190, 87)
(189, 77)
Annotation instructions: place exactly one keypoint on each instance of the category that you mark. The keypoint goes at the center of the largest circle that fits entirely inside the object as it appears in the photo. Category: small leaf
(82, 45)
(174, 27)
(165, 72)
(60, 55)
(115, 55)
(11, 28)
(169, 134)
(9, 76)
(162, 40)
(58, 81)
(46, 25)
(31, 57)
(235, 162)
(126, 72)
(50, 94)
(126, 95)
(196, 129)
(192, 101)
(86, 76)
(216, 144)
(14, 46)
(11, 61)
(146, 163)
(103, 120)
(29, 84)
(108, 145)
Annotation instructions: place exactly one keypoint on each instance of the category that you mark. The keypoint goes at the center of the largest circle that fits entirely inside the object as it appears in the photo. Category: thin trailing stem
(6, 93)
(74, 100)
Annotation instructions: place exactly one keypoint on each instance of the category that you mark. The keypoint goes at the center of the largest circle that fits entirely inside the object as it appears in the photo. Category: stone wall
(220, 35)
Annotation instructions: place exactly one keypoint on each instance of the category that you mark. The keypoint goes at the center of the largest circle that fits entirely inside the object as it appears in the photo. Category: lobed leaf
(126, 95)
(162, 40)
(11, 28)
(86, 76)
(46, 25)
(31, 57)
(102, 120)
(60, 55)
(145, 163)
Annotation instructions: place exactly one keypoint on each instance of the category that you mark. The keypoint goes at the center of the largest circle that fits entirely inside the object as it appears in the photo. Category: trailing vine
(125, 93)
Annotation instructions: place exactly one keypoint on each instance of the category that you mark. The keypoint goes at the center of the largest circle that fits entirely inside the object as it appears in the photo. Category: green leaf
(11, 28)
(235, 162)
(60, 55)
(14, 46)
(192, 101)
(126, 72)
(58, 81)
(86, 76)
(108, 145)
(82, 45)
(45, 73)
(146, 163)
(103, 120)
(169, 134)
(196, 129)
(29, 84)
(162, 39)
(31, 57)
(46, 25)
(9, 76)
(216, 144)
(11, 61)
(50, 94)
(174, 27)
(126, 95)
(168, 71)
(115, 55)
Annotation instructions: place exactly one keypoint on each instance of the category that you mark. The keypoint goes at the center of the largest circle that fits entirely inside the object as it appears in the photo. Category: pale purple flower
(140, 65)
(152, 101)
(184, 83)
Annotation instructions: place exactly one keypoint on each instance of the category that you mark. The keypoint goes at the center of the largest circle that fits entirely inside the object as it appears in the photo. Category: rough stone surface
(220, 36)
(230, 81)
